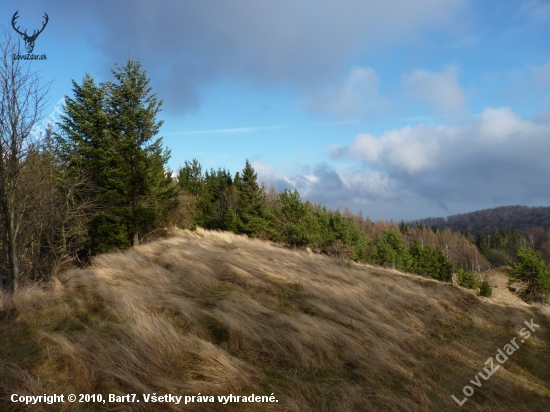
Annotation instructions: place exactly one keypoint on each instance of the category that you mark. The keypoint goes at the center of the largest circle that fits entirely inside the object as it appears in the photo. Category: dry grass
(215, 313)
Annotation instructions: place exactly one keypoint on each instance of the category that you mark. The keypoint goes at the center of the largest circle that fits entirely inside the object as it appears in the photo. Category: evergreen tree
(190, 178)
(86, 149)
(146, 185)
(223, 201)
(391, 248)
(107, 133)
(428, 261)
(252, 201)
(483, 244)
(530, 267)
(295, 223)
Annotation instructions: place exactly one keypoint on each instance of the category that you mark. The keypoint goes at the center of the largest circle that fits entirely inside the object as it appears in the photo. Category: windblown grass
(216, 313)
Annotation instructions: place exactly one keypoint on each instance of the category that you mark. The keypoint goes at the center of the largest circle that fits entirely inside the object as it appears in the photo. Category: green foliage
(499, 246)
(239, 205)
(531, 268)
(132, 111)
(340, 236)
(251, 202)
(468, 279)
(295, 222)
(430, 262)
(106, 135)
(483, 244)
(485, 289)
(190, 178)
(391, 248)
(230, 221)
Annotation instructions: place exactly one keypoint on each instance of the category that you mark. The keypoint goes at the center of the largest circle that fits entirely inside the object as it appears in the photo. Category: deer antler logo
(29, 40)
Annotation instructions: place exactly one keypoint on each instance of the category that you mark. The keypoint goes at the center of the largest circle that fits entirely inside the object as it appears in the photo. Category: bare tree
(56, 218)
(22, 100)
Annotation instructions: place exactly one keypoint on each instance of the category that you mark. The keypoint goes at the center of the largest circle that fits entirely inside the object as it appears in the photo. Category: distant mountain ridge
(487, 221)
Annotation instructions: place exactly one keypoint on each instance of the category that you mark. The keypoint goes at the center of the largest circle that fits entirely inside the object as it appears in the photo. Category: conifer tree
(86, 148)
(132, 110)
(252, 200)
(190, 178)
(294, 220)
(531, 268)
(107, 132)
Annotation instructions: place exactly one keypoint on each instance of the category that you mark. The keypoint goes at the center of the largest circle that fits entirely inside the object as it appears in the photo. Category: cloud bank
(496, 158)
(190, 44)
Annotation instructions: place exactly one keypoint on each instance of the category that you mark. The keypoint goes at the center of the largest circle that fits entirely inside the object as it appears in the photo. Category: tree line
(217, 199)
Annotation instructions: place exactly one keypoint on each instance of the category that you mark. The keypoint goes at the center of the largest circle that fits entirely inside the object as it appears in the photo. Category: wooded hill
(486, 221)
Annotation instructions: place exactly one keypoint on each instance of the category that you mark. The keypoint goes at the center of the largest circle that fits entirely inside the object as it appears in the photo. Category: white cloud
(367, 146)
(496, 155)
(439, 89)
(323, 183)
(504, 126)
(496, 158)
(268, 173)
(357, 94)
(409, 149)
(365, 187)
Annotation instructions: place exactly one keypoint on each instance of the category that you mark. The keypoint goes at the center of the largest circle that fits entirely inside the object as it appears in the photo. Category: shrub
(468, 279)
(485, 289)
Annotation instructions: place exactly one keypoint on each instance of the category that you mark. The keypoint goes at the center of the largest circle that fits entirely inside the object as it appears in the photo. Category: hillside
(214, 313)
(487, 221)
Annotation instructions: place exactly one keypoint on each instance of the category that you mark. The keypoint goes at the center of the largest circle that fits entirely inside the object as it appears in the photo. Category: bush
(485, 289)
(468, 279)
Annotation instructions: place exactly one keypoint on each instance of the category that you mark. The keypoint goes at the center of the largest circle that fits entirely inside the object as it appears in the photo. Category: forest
(486, 221)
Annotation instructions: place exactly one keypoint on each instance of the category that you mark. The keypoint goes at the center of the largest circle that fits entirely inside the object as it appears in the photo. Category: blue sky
(402, 109)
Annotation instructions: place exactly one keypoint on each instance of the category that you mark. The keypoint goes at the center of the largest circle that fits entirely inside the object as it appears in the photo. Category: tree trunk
(13, 260)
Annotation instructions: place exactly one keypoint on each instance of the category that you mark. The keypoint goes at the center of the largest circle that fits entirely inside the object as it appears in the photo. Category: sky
(400, 109)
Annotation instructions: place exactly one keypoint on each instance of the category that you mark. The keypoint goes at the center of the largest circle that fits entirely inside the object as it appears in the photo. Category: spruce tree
(86, 149)
(146, 185)
(107, 134)
(531, 268)
(190, 178)
(252, 201)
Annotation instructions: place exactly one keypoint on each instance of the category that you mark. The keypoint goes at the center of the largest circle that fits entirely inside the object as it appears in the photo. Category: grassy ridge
(216, 313)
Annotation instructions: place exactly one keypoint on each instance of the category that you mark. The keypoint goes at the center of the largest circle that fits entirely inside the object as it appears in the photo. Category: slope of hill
(213, 314)
(488, 220)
